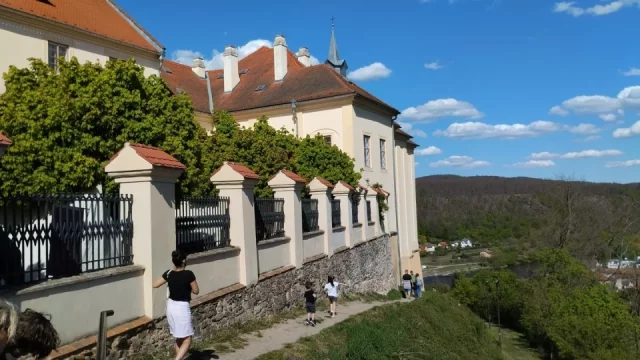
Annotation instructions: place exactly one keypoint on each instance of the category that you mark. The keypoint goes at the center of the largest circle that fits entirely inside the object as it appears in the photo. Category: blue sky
(500, 87)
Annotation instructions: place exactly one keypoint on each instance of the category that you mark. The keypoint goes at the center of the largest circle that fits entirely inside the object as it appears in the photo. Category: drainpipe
(294, 114)
(395, 190)
(206, 76)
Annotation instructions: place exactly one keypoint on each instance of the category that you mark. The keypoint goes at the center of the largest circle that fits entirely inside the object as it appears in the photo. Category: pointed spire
(334, 57)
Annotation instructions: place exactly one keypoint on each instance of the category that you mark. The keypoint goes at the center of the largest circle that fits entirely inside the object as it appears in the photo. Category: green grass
(434, 327)
(514, 346)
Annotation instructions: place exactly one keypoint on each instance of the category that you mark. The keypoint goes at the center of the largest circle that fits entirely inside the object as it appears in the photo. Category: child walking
(310, 300)
(331, 287)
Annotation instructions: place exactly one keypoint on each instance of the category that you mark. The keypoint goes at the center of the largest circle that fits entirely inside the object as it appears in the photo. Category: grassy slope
(434, 327)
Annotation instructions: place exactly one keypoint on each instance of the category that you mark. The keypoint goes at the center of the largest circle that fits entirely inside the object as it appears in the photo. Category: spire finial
(332, 23)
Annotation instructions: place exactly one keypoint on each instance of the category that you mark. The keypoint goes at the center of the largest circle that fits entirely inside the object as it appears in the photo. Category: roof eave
(147, 35)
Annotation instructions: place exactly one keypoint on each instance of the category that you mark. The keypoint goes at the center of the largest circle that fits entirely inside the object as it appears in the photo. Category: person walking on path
(413, 283)
(181, 284)
(406, 283)
(331, 287)
(419, 284)
(310, 304)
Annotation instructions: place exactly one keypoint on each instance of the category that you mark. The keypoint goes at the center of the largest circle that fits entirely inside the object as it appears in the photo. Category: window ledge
(312, 234)
(339, 228)
(357, 225)
(274, 241)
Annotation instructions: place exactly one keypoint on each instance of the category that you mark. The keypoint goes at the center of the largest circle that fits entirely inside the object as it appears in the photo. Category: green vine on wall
(383, 206)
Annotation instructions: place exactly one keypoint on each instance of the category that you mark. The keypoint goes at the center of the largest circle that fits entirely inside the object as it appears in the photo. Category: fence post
(236, 181)
(150, 175)
(372, 196)
(320, 190)
(341, 192)
(288, 186)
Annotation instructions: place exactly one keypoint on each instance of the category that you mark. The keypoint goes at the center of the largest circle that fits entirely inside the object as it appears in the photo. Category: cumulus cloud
(433, 66)
(576, 154)
(215, 61)
(411, 130)
(534, 164)
(607, 108)
(441, 108)
(431, 150)
(628, 163)
(461, 162)
(558, 110)
(608, 117)
(634, 130)
(571, 8)
(591, 138)
(632, 72)
(478, 130)
(374, 71)
(584, 129)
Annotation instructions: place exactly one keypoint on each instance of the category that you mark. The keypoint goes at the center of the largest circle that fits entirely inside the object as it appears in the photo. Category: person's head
(307, 285)
(417, 275)
(330, 280)
(34, 335)
(8, 323)
(411, 272)
(406, 271)
(179, 258)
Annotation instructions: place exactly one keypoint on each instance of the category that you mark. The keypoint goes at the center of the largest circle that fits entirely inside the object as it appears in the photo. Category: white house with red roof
(90, 30)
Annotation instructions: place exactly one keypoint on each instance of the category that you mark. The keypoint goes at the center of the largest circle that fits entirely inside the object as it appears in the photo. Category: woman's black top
(179, 283)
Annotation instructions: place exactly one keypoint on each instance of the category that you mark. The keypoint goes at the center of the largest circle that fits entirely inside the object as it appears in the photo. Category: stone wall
(367, 267)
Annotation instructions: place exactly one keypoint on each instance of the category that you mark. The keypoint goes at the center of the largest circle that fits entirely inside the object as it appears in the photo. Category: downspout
(395, 190)
(206, 76)
(294, 114)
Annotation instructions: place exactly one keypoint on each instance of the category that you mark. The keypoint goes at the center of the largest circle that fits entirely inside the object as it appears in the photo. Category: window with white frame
(383, 154)
(327, 139)
(367, 150)
(56, 51)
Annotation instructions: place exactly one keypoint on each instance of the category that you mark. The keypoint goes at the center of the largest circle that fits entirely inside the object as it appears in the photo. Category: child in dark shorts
(310, 304)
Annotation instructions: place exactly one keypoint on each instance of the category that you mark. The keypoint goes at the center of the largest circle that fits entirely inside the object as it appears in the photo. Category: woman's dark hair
(307, 284)
(35, 335)
(178, 257)
(331, 280)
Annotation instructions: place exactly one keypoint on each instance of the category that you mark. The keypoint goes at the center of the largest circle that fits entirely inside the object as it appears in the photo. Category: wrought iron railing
(269, 218)
(310, 215)
(355, 205)
(55, 236)
(369, 210)
(335, 213)
(202, 223)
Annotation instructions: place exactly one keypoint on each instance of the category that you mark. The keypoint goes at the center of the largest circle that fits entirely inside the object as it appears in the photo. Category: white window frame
(366, 144)
(330, 142)
(383, 153)
(58, 47)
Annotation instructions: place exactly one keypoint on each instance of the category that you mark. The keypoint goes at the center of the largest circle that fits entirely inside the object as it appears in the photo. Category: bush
(395, 294)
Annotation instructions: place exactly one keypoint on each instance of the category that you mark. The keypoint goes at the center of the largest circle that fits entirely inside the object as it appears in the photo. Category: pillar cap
(137, 157)
(230, 171)
(286, 177)
(320, 184)
(342, 188)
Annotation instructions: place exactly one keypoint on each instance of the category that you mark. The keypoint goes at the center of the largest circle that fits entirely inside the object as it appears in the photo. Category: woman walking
(181, 284)
(331, 287)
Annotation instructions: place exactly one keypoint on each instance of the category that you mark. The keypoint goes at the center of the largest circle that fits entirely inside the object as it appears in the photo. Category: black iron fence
(355, 205)
(269, 218)
(202, 223)
(336, 218)
(310, 215)
(54, 236)
(369, 210)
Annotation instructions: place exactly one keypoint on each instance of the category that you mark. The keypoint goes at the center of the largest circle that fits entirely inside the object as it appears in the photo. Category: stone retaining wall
(367, 267)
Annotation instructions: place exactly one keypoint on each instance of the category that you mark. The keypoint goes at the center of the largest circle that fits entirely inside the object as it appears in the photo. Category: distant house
(465, 243)
(429, 247)
(443, 244)
(622, 264)
(486, 254)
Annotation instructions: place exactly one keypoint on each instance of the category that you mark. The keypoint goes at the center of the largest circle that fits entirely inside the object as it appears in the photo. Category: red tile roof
(301, 83)
(324, 182)
(240, 169)
(293, 176)
(346, 185)
(157, 157)
(4, 140)
(99, 17)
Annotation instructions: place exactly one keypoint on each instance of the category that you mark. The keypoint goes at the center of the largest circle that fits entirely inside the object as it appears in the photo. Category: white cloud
(431, 150)
(607, 108)
(591, 138)
(576, 154)
(558, 110)
(584, 129)
(440, 108)
(374, 71)
(627, 163)
(571, 8)
(534, 164)
(634, 130)
(608, 117)
(461, 162)
(433, 66)
(478, 130)
(632, 72)
(412, 131)
(416, 163)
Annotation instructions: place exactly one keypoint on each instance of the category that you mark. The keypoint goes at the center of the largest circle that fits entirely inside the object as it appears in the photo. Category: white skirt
(179, 318)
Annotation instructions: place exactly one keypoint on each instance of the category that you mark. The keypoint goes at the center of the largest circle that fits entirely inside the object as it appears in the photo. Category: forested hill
(492, 208)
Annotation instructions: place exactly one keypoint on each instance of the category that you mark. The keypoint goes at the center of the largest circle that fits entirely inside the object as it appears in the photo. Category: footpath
(291, 331)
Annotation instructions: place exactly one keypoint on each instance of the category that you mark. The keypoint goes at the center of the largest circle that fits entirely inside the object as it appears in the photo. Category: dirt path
(292, 330)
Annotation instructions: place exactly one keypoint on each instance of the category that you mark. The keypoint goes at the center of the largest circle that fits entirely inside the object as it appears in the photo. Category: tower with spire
(334, 60)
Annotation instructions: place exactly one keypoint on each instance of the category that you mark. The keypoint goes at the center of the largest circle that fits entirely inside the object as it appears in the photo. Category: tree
(66, 123)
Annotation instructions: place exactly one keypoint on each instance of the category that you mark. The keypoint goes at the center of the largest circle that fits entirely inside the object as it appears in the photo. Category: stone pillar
(320, 190)
(288, 185)
(372, 196)
(236, 181)
(149, 175)
(341, 192)
(362, 211)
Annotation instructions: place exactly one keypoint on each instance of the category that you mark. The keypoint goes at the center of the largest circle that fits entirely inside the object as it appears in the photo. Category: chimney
(198, 67)
(279, 58)
(231, 75)
(304, 57)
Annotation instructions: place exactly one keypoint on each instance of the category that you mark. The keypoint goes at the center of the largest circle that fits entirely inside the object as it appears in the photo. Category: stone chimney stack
(304, 57)
(280, 57)
(231, 75)
(198, 67)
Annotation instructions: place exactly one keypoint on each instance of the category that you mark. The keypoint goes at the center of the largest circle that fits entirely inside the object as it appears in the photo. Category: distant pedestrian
(406, 284)
(34, 335)
(331, 287)
(413, 282)
(181, 284)
(419, 285)
(310, 304)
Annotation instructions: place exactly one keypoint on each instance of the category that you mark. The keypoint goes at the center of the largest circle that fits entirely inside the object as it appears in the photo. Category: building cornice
(302, 106)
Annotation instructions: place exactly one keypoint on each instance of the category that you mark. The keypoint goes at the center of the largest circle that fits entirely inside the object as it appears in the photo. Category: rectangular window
(111, 58)
(56, 51)
(327, 139)
(367, 151)
(383, 154)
